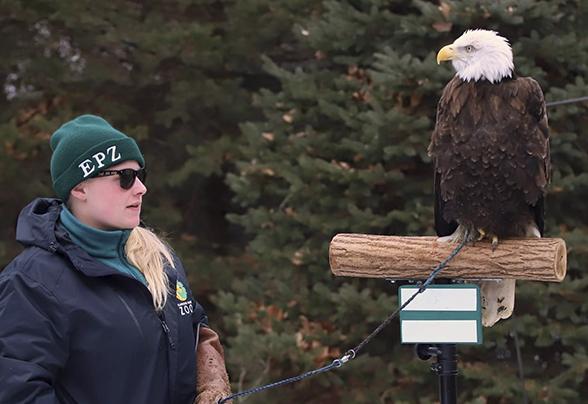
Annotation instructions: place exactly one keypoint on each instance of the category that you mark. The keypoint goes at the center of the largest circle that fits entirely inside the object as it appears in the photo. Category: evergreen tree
(342, 148)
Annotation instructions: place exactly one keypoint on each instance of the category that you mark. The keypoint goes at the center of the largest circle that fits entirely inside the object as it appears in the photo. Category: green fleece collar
(107, 246)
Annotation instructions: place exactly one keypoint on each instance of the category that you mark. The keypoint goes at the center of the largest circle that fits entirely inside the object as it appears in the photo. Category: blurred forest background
(268, 127)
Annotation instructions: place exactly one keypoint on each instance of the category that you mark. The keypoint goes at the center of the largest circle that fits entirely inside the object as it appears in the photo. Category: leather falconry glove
(212, 379)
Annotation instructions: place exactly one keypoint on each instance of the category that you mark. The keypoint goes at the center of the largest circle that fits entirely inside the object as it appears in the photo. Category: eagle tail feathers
(498, 298)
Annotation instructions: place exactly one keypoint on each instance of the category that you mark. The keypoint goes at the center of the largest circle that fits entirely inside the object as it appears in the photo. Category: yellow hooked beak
(446, 53)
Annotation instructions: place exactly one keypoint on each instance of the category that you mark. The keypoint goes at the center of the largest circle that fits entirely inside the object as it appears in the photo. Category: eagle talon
(494, 242)
(481, 234)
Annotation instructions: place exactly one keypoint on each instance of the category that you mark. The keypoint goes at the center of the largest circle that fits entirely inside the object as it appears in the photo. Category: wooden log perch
(398, 257)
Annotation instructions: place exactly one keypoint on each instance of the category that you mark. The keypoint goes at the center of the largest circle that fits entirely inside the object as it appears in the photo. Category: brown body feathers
(490, 149)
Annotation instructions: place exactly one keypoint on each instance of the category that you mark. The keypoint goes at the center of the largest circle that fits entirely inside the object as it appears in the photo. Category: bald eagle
(490, 149)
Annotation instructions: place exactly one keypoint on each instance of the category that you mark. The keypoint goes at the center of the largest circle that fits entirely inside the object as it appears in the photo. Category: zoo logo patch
(181, 293)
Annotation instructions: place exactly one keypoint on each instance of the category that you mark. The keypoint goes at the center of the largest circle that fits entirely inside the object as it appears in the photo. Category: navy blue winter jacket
(73, 330)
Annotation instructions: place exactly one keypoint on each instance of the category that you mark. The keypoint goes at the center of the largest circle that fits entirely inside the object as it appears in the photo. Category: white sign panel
(441, 314)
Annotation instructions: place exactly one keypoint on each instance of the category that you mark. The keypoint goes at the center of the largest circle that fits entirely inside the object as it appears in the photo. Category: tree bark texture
(400, 257)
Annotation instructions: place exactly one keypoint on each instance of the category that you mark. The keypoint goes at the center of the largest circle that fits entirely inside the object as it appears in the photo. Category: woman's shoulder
(37, 265)
(178, 266)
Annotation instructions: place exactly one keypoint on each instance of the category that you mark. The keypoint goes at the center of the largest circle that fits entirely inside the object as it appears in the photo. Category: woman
(97, 309)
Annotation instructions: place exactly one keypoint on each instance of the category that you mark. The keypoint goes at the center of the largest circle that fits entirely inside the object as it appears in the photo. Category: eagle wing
(442, 226)
(450, 104)
(538, 144)
(529, 101)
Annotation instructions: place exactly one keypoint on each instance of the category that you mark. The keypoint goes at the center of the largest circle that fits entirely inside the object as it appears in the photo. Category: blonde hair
(150, 254)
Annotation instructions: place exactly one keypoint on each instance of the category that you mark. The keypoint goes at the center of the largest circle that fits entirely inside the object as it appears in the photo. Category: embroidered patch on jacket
(185, 307)
(181, 293)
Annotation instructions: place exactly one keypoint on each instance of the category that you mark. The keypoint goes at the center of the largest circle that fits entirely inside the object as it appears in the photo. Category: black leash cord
(352, 353)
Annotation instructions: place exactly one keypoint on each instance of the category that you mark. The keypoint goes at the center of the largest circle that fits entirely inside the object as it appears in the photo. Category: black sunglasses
(126, 176)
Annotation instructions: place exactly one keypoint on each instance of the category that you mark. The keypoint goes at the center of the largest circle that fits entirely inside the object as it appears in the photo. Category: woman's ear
(78, 192)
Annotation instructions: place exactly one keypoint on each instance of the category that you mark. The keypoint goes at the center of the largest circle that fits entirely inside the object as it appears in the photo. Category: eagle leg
(460, 234)
(481, 234)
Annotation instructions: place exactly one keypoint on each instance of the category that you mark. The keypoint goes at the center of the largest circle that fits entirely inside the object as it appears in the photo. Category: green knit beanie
(85, 146)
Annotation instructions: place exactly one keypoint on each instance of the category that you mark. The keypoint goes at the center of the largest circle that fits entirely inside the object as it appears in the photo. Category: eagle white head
(479, 54)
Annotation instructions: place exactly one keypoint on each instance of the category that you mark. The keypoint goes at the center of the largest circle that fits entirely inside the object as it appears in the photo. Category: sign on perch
(441, 314)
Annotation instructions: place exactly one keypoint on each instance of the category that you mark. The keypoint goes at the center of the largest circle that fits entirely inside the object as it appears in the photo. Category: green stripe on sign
(439, 315)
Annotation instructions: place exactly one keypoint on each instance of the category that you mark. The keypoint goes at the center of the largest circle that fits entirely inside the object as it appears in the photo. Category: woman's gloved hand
(212, 379)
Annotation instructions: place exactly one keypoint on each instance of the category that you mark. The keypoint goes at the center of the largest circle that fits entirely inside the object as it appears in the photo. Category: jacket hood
(36, 225)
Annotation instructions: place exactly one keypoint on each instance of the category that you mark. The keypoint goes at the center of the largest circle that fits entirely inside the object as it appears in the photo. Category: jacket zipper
(166, 330)
(160, 316)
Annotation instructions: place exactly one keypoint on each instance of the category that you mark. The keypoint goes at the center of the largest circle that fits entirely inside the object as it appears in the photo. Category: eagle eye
(469, 48)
